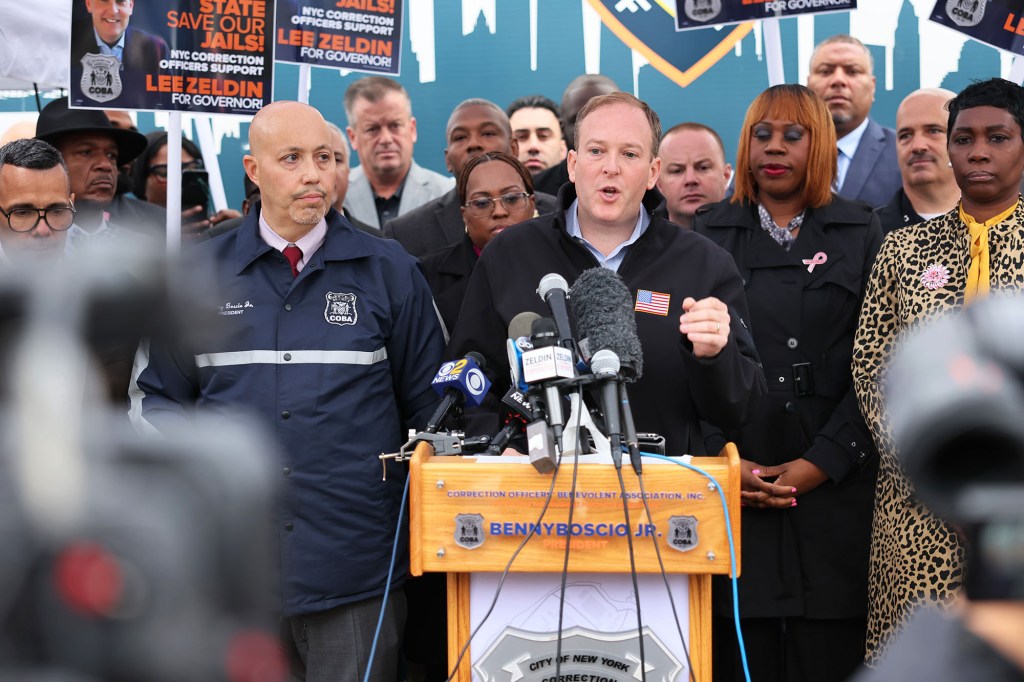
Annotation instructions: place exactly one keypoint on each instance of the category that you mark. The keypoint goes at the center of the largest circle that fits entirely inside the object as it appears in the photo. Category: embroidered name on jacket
(230, 308)
(341, 309)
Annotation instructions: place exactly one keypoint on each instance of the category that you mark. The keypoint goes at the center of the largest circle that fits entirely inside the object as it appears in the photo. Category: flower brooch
(935, 276)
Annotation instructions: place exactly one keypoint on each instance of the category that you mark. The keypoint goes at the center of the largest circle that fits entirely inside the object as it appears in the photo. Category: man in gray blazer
(475, 126)
(388, 182)
(842, 73)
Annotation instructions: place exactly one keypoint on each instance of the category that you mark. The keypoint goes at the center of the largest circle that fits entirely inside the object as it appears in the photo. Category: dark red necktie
(294, 255)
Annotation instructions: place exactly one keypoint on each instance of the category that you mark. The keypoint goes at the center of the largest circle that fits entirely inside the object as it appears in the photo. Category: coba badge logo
(101, 77)
(966, 13)
(469, 530)
(341, 308)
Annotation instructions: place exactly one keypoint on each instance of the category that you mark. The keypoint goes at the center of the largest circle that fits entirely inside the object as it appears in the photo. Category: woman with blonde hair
(808, 464)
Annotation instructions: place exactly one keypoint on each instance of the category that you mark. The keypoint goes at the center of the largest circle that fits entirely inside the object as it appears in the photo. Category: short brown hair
(620, 97)
(797, 104)
(463, 180)
(697, 128)
(372, 89)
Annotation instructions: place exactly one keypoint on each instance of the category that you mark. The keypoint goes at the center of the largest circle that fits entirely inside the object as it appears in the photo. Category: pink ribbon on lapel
(819, 259)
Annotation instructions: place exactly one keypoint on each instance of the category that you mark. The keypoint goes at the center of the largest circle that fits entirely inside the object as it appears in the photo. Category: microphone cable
(387, 585)
(664, 577)
(505, 572)
(685, 463)
(632, 568)
(568, 528)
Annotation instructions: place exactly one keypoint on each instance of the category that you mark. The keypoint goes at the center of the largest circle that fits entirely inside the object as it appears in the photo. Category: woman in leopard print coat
(922, 272)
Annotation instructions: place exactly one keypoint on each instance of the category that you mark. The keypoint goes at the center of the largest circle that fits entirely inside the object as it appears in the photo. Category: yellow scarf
(977, 272)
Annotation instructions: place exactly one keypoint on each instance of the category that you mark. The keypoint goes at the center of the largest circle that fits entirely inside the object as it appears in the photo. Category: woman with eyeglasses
(149, 173)
(495, 192)
(808, 465)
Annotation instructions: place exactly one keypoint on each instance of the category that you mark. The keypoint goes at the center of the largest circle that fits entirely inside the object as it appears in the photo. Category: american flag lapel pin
(653, 302)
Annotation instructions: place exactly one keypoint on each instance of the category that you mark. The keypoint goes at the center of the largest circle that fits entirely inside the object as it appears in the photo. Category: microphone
(553, 290)
(517, 343)
(520, 412)
(605, 366)
(460, 382)
(604, 317)
(604, 314)
(521, 324)
(515, 349)
(539, 446)
(546, 361)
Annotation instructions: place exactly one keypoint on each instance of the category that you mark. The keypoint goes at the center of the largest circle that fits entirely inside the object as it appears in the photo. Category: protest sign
(702, 13)
(200, 56)
(999, 24)
(360, 35)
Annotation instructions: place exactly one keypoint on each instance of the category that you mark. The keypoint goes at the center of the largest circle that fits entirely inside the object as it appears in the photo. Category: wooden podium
(469, 514)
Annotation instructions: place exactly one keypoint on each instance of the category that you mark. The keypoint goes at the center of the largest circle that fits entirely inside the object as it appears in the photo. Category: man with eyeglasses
(36, 203)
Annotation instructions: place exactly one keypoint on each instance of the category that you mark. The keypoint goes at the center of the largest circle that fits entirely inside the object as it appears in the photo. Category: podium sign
(469, 514)
(599, 627)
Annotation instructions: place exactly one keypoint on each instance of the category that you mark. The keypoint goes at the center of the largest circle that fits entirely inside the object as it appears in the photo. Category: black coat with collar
(438, 223)
(899, 212)
(447, 272)
(677, 389)
(810, 560)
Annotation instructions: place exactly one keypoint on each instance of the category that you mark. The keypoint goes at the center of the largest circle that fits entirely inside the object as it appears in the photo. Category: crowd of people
(787, 277)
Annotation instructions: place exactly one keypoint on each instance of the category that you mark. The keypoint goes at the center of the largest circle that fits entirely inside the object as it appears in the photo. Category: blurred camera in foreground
(956, 401)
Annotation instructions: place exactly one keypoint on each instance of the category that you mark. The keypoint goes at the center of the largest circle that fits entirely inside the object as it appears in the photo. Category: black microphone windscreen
(521, 324)
(604, 314)
(543, 332)
(477, 358)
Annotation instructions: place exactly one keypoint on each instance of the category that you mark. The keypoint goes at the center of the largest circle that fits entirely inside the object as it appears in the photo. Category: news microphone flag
(651, 302)
(466, 377)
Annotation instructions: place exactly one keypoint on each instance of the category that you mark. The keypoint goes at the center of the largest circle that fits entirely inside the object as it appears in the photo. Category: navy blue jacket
(338, 363)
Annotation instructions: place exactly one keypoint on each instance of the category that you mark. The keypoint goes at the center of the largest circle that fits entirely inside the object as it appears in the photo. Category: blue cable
(732, 552)
(387, 585)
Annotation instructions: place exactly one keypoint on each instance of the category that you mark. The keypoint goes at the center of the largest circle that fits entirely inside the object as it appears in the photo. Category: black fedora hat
(56, 121)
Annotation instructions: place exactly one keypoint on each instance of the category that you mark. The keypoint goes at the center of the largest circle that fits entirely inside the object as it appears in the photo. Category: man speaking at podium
(694, 367)
(330, 337)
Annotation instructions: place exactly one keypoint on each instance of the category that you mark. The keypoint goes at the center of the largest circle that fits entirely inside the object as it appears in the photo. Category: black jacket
(550, 180)
(438, 223)
(677, 389)
(447, 272)
(811, 560)
(899, 212)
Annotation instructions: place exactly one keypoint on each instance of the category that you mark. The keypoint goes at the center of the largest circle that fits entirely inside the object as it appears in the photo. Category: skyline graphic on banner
(501, 51)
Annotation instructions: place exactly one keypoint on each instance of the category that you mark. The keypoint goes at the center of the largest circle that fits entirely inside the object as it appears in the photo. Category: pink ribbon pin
(819, 259)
